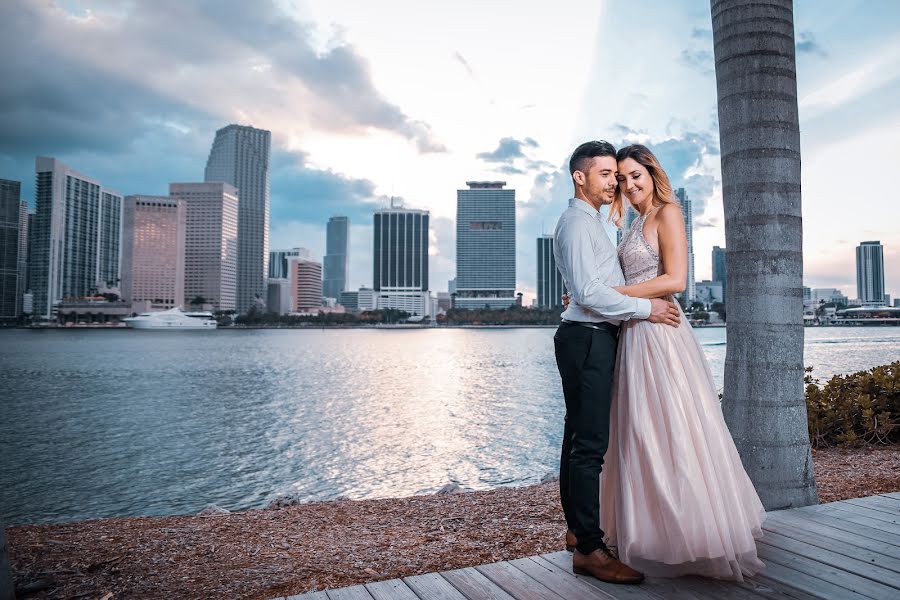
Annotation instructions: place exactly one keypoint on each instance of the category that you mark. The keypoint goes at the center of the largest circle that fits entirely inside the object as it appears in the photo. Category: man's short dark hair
(587, 151)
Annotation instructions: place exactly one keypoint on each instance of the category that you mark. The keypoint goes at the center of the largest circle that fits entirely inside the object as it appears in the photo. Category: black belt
(603, 326)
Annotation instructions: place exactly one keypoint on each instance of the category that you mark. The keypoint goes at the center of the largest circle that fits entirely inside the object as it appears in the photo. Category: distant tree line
(514, 315)
(372, 317)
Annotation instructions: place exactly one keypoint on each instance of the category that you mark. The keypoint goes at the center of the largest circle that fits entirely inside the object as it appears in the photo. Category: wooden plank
(432, 587)
(562, 562)
(712, 588)
(788, 579)
(830, 521)
(354, 592)
(517, 583)
(774, 590)
(564, 584)
(309, 596)
(862, 548)
(849, 562)
(391, 589)
(866, 516)
(877, 503)
(657, 587)
(474, 585)
(892, 495)
(826, 574)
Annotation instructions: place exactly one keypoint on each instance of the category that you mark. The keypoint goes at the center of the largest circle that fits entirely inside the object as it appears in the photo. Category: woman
(675, 499)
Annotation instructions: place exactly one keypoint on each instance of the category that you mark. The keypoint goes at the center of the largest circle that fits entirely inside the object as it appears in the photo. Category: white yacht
(174, 318)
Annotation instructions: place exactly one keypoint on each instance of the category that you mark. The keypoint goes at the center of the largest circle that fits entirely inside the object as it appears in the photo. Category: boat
(174, 318)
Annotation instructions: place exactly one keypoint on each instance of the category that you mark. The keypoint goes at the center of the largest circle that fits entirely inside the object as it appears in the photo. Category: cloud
(701, 60)
(806, 44)
(306, 194)
(701, 33)
(461, 60)
(99, 80)
(507, 150)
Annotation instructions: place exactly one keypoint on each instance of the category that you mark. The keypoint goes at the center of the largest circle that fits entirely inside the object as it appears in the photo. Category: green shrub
(855, 410)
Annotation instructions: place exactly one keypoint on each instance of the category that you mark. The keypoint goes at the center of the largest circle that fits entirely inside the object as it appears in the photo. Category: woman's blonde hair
(662, 187)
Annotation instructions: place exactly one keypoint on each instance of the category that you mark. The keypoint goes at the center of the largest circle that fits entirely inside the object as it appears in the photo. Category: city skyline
(466, 113)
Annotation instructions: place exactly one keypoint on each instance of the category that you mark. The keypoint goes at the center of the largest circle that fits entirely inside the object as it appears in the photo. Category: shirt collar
(583, 205)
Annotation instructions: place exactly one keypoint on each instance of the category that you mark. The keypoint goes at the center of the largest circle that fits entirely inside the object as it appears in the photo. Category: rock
(450, 488)
(549, 477)
(342, 498)
(212, 509)
(285, 501)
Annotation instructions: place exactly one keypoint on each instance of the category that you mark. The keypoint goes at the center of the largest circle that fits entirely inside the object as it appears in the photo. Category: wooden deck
(847, 550)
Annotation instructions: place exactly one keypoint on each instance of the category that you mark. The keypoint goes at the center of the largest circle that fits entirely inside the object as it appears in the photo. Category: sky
(372, 100)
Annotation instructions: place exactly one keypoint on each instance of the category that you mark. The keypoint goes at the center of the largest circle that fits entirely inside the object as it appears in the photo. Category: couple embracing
(648, 467)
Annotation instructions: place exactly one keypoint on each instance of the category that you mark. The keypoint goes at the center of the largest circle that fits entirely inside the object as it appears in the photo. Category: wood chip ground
(278, 552)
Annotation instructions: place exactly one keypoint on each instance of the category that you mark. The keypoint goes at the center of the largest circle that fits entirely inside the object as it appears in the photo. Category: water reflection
(106, 423)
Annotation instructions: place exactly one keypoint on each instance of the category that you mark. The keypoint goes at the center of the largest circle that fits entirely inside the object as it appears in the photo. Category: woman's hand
(565, 300)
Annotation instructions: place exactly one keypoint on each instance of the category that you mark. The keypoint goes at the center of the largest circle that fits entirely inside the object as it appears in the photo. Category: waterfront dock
(847, 550)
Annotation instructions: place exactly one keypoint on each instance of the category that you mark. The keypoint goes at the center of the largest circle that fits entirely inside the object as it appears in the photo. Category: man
(586, 353)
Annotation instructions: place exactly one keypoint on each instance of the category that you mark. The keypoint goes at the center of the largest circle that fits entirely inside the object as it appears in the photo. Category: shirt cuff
(643, 308)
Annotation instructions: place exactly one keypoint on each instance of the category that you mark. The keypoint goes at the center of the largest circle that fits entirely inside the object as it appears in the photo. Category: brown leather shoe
(601, 564)
(571, 541)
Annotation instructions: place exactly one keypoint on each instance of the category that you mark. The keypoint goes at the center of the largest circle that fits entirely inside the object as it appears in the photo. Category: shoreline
(271, 552)
(103, 326)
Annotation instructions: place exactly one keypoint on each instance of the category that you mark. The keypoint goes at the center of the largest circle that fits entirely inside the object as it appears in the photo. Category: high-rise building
(485, 246)
(688, 213)
(111, 241)
(240, 156)
(76, 241)
(337, 254)
(718, 268)
(279, 261)
(10, 242)
(306, 285)
(153, 251)
(550, 286)
(24, 223)
(279, 298)
(350, 301)
(211, 244)
(870, 273)
(400, 269)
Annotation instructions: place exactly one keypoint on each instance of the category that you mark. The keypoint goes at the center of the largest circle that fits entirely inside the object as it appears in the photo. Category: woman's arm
(672, 254)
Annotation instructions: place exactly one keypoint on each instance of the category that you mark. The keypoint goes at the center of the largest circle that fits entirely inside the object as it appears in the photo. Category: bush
(855, 410)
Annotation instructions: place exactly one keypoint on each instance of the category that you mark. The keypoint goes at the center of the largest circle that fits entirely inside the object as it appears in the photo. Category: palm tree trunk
(759, 136)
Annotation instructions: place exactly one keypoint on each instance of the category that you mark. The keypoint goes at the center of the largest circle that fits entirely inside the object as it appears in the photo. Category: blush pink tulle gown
(674, 496)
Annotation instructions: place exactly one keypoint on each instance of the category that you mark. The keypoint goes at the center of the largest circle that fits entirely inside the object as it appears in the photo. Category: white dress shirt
(590, 268)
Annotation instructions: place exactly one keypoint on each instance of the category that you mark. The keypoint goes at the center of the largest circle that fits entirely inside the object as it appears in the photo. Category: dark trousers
(586, 359)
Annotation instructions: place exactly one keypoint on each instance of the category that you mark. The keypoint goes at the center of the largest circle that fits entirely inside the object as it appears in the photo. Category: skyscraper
(550, 285)
(24, 228)
(306, 284)
(485, 246)
(211, 245)
(400, 269)
(10, 236)
(240, 156)
(718, 268)
(688, 213)
(279, 261)
(76, 241)
(153, 250)
(337, 251)
(870, 273)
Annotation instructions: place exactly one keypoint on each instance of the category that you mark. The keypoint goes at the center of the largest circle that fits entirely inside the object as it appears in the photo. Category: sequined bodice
(639, 261)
